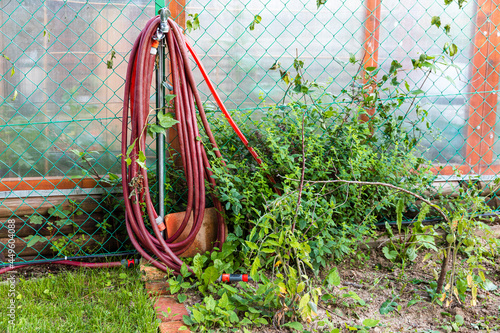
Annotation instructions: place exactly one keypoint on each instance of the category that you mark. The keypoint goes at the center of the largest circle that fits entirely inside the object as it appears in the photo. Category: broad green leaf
(333, 277)
(251, 245)
(210, 303)
(182, 298)
(198, 316)
(295, 325)
(166, 120)
(33, 240)
(370, 322)
(224, 301)
(304, 300)
(168, 98)
(210, 275)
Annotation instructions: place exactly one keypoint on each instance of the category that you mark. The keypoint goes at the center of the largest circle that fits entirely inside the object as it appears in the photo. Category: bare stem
(301, 185)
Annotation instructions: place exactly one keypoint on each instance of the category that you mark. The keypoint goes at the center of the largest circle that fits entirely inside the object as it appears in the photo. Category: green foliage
(466, 276)
(109, 63)
(319, 3)
(193, 22)
(389, 305)
(165, 121)
(336, 144)
(404, 247)
(306, 226)
(256, 20)
(246, 305)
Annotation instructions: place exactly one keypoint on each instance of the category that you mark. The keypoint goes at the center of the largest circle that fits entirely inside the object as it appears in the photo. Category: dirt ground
(376, 280)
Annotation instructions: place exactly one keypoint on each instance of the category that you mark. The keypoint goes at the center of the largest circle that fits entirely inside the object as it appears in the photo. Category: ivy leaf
(33, 240)
(155, 129)
(166, 120)
(109, 63)
(46, 33)
(447, 29)
(417, 92)
(193, 23)
(352, 58)
(436, 20)
(142, 160)
(389, 254)
(169, 97)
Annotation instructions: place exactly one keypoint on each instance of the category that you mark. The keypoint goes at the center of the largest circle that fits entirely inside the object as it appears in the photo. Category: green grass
(86, 300)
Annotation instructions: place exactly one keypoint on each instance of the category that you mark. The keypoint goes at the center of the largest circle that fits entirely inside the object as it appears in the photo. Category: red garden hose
(163, 252)
(124, 263)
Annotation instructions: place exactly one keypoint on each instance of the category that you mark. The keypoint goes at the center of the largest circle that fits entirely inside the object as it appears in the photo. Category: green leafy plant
(59, 217)
(404, 247)
(193, 22)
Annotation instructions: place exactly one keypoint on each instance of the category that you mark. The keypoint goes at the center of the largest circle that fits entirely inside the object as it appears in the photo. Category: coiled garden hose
(163, 251)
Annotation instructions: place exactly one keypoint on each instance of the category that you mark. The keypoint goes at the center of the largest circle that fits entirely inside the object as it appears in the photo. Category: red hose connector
(234, 278)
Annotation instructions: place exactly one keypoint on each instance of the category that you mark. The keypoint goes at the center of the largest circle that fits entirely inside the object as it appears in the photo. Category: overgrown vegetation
(333, 168)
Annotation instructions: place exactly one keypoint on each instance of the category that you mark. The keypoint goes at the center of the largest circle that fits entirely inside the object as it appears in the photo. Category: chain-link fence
(63, 65)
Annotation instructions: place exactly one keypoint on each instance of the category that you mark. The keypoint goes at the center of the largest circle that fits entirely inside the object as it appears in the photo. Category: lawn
(83, 300)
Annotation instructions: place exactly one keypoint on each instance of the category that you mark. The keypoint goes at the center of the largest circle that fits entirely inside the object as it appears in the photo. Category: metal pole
(160, 140)
(160, 107)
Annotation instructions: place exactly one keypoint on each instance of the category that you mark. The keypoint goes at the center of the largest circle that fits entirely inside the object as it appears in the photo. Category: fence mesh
(63, 66)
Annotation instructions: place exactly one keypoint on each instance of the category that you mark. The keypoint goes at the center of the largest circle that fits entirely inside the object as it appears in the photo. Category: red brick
(173, 326)
(151, 273)
(177, 309)
(157, 288)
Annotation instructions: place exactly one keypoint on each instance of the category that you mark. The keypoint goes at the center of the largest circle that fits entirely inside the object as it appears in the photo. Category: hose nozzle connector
(164, 15)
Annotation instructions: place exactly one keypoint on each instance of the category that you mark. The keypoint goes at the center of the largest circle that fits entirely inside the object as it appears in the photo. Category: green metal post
(160, 104)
